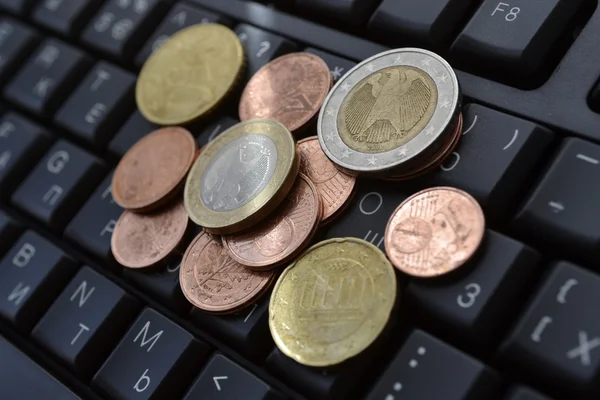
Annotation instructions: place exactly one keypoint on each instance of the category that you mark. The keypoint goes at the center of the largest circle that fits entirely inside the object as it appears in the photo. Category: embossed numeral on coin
(468, 299)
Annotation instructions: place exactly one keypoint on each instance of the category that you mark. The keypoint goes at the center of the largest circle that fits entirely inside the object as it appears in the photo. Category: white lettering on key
(6, 30)
(179, 18)
(264, 47)
(215, 132)
(250, 313)
(556, 207)
(5, 157)
(121, 29)
(82, 328)
(57, 161)
(216, 380)
(467, 300)
(510, 14)
(18, 293)
(95, 113)
(512, 141)
(6, 128)
(536, 336)
(101, 76)
(472, 125)
(337, 72)
(159, 41)
(52, 5)
(109, 228)
(362, 208)
(583, 350)
(83, 295)
(374, 238)
(104, 22)
(108, 192)
(585, 158)
(42, 86)
(146, 381)
(561, 297)
(143, 332)
(52, 195)
(47, 56)
(24, 255)
(453, 165)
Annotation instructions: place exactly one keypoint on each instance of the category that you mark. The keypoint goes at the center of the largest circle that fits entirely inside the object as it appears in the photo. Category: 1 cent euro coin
(333, 302)
(189, 74)
(241, 177)
(389, 110)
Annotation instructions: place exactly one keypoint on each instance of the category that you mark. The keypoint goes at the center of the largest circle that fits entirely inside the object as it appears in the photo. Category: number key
(476, 304)
(261, 46)
(66, 16)
(16, 41)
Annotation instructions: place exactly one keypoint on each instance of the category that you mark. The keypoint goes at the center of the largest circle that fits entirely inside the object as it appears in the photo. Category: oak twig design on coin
(434, 232)
(335, 187)
(152, 170)
(281, 236)
(333, 302)
(214, 282)
(289, 89)
(143, 240)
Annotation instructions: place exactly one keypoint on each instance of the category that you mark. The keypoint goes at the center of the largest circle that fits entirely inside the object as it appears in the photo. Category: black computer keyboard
(521, 323)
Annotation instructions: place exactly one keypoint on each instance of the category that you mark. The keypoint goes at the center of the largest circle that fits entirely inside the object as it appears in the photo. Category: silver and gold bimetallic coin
(391, 112)
(242, 176)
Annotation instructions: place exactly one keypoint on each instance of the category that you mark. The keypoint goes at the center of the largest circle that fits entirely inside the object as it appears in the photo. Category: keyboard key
(66, 16)
(525, 393)
(58, 185)
(162, 283)
(247, 330)
(22, 143)
(161, 360)
(351, 12)
(515, 35)
(475, 306)
(494, 158)
(558, 336)
(261, 47)
(86, 321)
(16, 42)
(431, 26)
(368, 214)
(47, 78)
(337, 65)
(32, 274)
(133, 130)
(93, 225)
(17, 6)
(180, 16)
(427, 368)
(120, 27)
(563, 209)
(99, 104)
(214, 130)
(8, 232)
(223, 379)
(15, 366)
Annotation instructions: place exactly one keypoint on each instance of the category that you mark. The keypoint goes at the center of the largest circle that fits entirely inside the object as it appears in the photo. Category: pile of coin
(260, 191)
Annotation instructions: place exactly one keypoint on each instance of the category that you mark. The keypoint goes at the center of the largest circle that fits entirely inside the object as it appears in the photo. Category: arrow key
(223, 379)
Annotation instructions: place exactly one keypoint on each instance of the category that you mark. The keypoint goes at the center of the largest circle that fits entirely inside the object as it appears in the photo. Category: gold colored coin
(189, 74)
(333, 302)
(241, 176)
(387, 109)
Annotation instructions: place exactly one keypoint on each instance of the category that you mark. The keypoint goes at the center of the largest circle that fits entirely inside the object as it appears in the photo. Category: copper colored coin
(284, 234)
(214, 282)
(289, 89)
(334, 186)
(434, 232)
(142, 240)
(151, 171)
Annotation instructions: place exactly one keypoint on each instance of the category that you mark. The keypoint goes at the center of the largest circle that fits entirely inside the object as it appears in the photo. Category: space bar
(21, 378)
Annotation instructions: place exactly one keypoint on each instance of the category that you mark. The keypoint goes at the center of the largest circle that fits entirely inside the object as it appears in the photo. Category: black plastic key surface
(351, 12)
(17, 6)
(410, 21)
(368, 214)
(515, 35)
(494, 157)
(222, 379)
(16, 42)
(67, 17)
(22, 378)
(261, 46)
(8, 232)
(475, 306)
(215, 129)
(22, 143)
(337, 65)
(162, 283)
(563, 209)
(47, 78)
(86, 321)
(427, 368)
(135, 128)
(32, 274)
(181, 16)
(161, 360)
(121, 26)
(58, 185)
(246, 330)
(99, 104)
(524, 393)
(557, 340)
(93, 225)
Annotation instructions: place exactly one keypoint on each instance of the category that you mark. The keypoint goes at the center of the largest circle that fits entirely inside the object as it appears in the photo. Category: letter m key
(144, 339)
